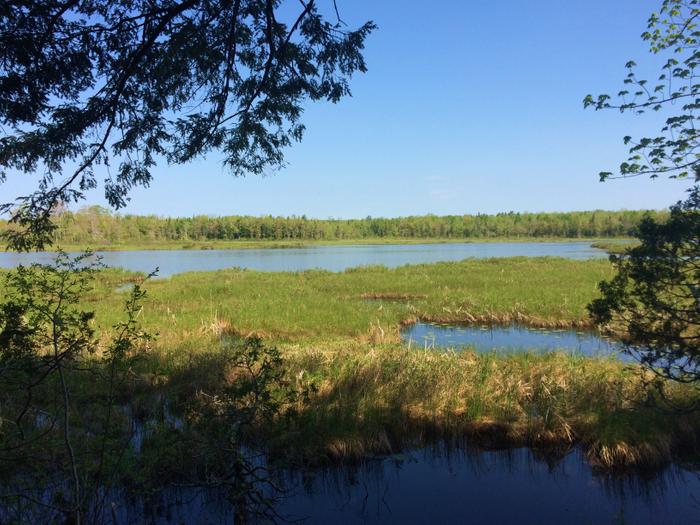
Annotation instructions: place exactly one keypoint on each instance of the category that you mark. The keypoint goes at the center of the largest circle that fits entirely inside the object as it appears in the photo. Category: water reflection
(438, 485)
(515, 486)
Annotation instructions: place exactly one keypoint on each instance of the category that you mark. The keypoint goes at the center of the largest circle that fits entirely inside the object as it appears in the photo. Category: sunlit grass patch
(321, 305)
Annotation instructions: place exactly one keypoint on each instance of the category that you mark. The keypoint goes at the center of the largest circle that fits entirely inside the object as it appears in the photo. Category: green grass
(615, 246)
(362, 302)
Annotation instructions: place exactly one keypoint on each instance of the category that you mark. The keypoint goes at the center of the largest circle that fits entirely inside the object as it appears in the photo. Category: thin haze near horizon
(469, 107)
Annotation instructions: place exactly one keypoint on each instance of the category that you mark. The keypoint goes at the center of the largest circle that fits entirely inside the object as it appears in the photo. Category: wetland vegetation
(342, 331)
(615, 246)
(338, 337)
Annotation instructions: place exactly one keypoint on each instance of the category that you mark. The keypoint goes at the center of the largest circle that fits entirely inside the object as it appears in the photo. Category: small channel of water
(510, 338)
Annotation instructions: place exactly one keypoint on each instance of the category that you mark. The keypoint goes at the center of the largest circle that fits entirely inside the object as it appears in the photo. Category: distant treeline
(95, 224)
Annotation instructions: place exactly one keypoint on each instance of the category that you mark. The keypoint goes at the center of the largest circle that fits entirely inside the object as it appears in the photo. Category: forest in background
(97, 224)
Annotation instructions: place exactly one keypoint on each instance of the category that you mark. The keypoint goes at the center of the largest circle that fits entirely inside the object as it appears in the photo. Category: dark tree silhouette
(655, 295)
(88, 82)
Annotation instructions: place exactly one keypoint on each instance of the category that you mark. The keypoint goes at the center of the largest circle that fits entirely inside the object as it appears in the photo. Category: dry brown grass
(378, 398)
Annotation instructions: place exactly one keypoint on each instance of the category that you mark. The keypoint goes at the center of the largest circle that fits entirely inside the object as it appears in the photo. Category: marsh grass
(366, 399)
(340, 337)
(615, 246)
(366, 302)
(365, 393)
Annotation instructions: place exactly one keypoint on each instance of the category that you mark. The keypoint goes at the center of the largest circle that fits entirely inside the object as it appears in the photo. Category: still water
(434, 485)
(508, 339)
(332, 258)
(430, 486)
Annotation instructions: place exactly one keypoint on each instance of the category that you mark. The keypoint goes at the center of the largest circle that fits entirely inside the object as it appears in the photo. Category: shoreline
(296, 244)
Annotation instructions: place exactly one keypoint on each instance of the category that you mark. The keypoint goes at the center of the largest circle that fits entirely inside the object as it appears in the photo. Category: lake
(332, 258)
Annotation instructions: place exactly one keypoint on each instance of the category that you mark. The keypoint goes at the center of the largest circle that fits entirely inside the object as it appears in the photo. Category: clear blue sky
(467, 107)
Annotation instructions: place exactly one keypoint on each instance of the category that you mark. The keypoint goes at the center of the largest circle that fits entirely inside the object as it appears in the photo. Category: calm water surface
(475, 487)
(496, 487)
(508, 338)
(332, 258)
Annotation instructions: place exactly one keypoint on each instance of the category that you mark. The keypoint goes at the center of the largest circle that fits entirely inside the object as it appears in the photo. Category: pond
(435, 485)
(509, 338)
(332, 258)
